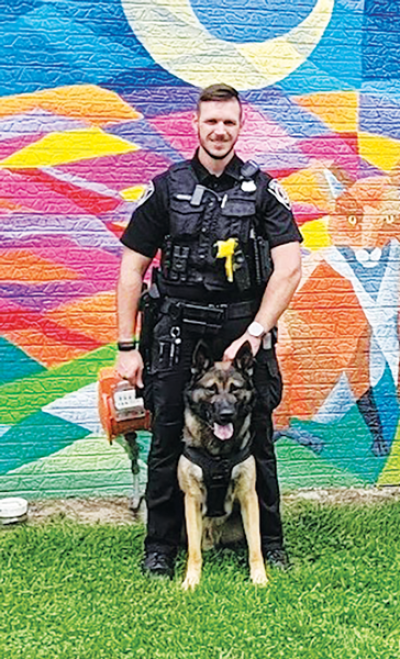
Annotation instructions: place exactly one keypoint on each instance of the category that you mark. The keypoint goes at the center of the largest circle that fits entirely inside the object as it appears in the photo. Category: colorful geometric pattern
(93, 104)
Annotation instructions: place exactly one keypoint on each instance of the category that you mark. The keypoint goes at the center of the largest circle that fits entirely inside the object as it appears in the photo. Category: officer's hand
(129, 367)
(230, 352)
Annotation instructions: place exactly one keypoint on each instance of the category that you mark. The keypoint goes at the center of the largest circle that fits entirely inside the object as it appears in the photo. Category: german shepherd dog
(218, 406)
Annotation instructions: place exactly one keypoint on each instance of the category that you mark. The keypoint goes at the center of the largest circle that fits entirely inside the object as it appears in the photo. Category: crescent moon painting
(97, 99)
(176, 39)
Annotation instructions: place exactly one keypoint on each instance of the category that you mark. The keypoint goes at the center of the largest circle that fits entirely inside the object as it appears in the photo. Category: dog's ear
(202, 359)
(244, 360)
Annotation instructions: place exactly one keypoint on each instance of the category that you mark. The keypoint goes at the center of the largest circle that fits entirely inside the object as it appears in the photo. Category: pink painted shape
(260, 135)
(88, 262)
(34, 195)
(178, 130)
(334, 149)
(120, 171)
(306, 212)
(14, 144)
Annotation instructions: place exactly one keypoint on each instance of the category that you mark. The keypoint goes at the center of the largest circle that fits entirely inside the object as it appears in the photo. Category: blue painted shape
(387, 89)
(36, 121)
(48, 230)
(309, 78)
(336, 62)
(371, 278)
(55, 49)
(379, 115)
(284, 159)
(385, 396)
(365, 169)
(37, 436)
(251, 20)
(10, 10)
(381, 40)
(302, 436)
(16, 364)
(145, 136)
(347, 444)
(147, 78)
(106, 18)
(154, 101)
(340, 400)
(278, 107)
(335, 186)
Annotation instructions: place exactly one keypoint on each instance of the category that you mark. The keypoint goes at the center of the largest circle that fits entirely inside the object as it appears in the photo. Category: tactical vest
(217, 475)
(201, 220)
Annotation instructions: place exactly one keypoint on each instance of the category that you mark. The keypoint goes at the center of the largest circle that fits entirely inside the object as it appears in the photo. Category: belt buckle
(204, 318)
(217, 313)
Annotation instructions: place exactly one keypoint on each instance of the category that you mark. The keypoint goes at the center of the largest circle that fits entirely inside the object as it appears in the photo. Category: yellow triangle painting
(383, 152)
(339, 110)
(70, 146)
(390, 474)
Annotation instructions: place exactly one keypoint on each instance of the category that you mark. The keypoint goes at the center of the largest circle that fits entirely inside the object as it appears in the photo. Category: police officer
(230, 263)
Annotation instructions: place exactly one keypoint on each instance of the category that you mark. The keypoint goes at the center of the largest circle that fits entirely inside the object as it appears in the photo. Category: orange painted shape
(309, 186)
(337, 110)
(94, 317)
(25, 265)
(329, 335)
(44, 349)
(7, 205)
(86, 102)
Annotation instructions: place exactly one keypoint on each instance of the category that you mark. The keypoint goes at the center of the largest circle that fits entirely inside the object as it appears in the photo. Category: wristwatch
(256, 329)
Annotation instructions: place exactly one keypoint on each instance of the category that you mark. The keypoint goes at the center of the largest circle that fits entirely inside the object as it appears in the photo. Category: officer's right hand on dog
(278, 293)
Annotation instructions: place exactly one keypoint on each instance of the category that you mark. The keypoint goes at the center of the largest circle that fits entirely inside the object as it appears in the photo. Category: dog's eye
(233, 387)
(213, 388)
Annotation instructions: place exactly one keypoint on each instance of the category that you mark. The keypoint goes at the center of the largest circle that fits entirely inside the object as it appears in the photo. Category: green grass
(73, 591)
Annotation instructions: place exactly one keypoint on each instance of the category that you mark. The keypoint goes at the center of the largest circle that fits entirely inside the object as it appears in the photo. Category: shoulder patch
(279, 192)
(146, 194)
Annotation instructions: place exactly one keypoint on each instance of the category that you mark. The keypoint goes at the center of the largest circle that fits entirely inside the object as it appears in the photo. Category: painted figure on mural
(215, 219)
(344, 318)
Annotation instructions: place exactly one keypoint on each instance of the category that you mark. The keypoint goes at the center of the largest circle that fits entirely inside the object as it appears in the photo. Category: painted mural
(96, 98)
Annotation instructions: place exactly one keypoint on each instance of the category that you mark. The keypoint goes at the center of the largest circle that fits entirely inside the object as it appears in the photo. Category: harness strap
(217, 473)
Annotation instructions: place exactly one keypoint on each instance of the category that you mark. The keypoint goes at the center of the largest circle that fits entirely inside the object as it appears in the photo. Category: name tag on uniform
(249, 186)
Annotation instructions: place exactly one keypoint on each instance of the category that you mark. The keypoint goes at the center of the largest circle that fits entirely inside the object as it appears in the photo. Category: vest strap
(217, 472)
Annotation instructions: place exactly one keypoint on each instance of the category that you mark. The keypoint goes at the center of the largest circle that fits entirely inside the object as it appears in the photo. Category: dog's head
(219, 400)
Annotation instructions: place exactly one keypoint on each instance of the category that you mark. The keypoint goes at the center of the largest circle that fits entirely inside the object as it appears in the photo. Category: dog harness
(217, 474)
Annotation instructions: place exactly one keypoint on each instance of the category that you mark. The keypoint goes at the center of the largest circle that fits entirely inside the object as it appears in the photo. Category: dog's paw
(192, 580)
(259, 576)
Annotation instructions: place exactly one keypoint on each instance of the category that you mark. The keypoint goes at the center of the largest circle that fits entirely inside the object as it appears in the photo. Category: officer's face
(218, 124)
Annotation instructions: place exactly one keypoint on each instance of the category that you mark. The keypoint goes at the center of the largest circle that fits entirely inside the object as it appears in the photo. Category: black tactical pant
(164, 384)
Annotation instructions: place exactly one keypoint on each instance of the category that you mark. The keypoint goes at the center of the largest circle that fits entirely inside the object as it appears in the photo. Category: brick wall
(95, 99)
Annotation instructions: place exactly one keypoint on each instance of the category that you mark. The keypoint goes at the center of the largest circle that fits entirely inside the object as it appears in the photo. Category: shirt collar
(232, 169)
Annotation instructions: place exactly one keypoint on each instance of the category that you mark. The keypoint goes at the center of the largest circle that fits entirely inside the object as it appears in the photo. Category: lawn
(74, 591)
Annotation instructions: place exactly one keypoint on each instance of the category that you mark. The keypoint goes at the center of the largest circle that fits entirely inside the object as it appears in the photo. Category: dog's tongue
(223, 432)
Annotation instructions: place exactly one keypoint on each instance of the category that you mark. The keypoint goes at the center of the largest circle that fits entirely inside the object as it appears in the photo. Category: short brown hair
(218, 92)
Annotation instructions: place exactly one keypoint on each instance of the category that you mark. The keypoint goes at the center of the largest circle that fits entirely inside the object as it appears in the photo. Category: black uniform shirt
(149, 224)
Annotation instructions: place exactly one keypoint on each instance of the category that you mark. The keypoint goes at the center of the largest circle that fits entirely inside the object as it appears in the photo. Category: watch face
(256, 329)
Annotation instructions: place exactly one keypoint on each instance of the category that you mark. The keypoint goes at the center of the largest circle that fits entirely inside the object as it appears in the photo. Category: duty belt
(209, 318)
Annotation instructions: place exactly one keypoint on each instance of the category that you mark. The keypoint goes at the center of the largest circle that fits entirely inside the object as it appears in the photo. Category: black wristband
(126, 346)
